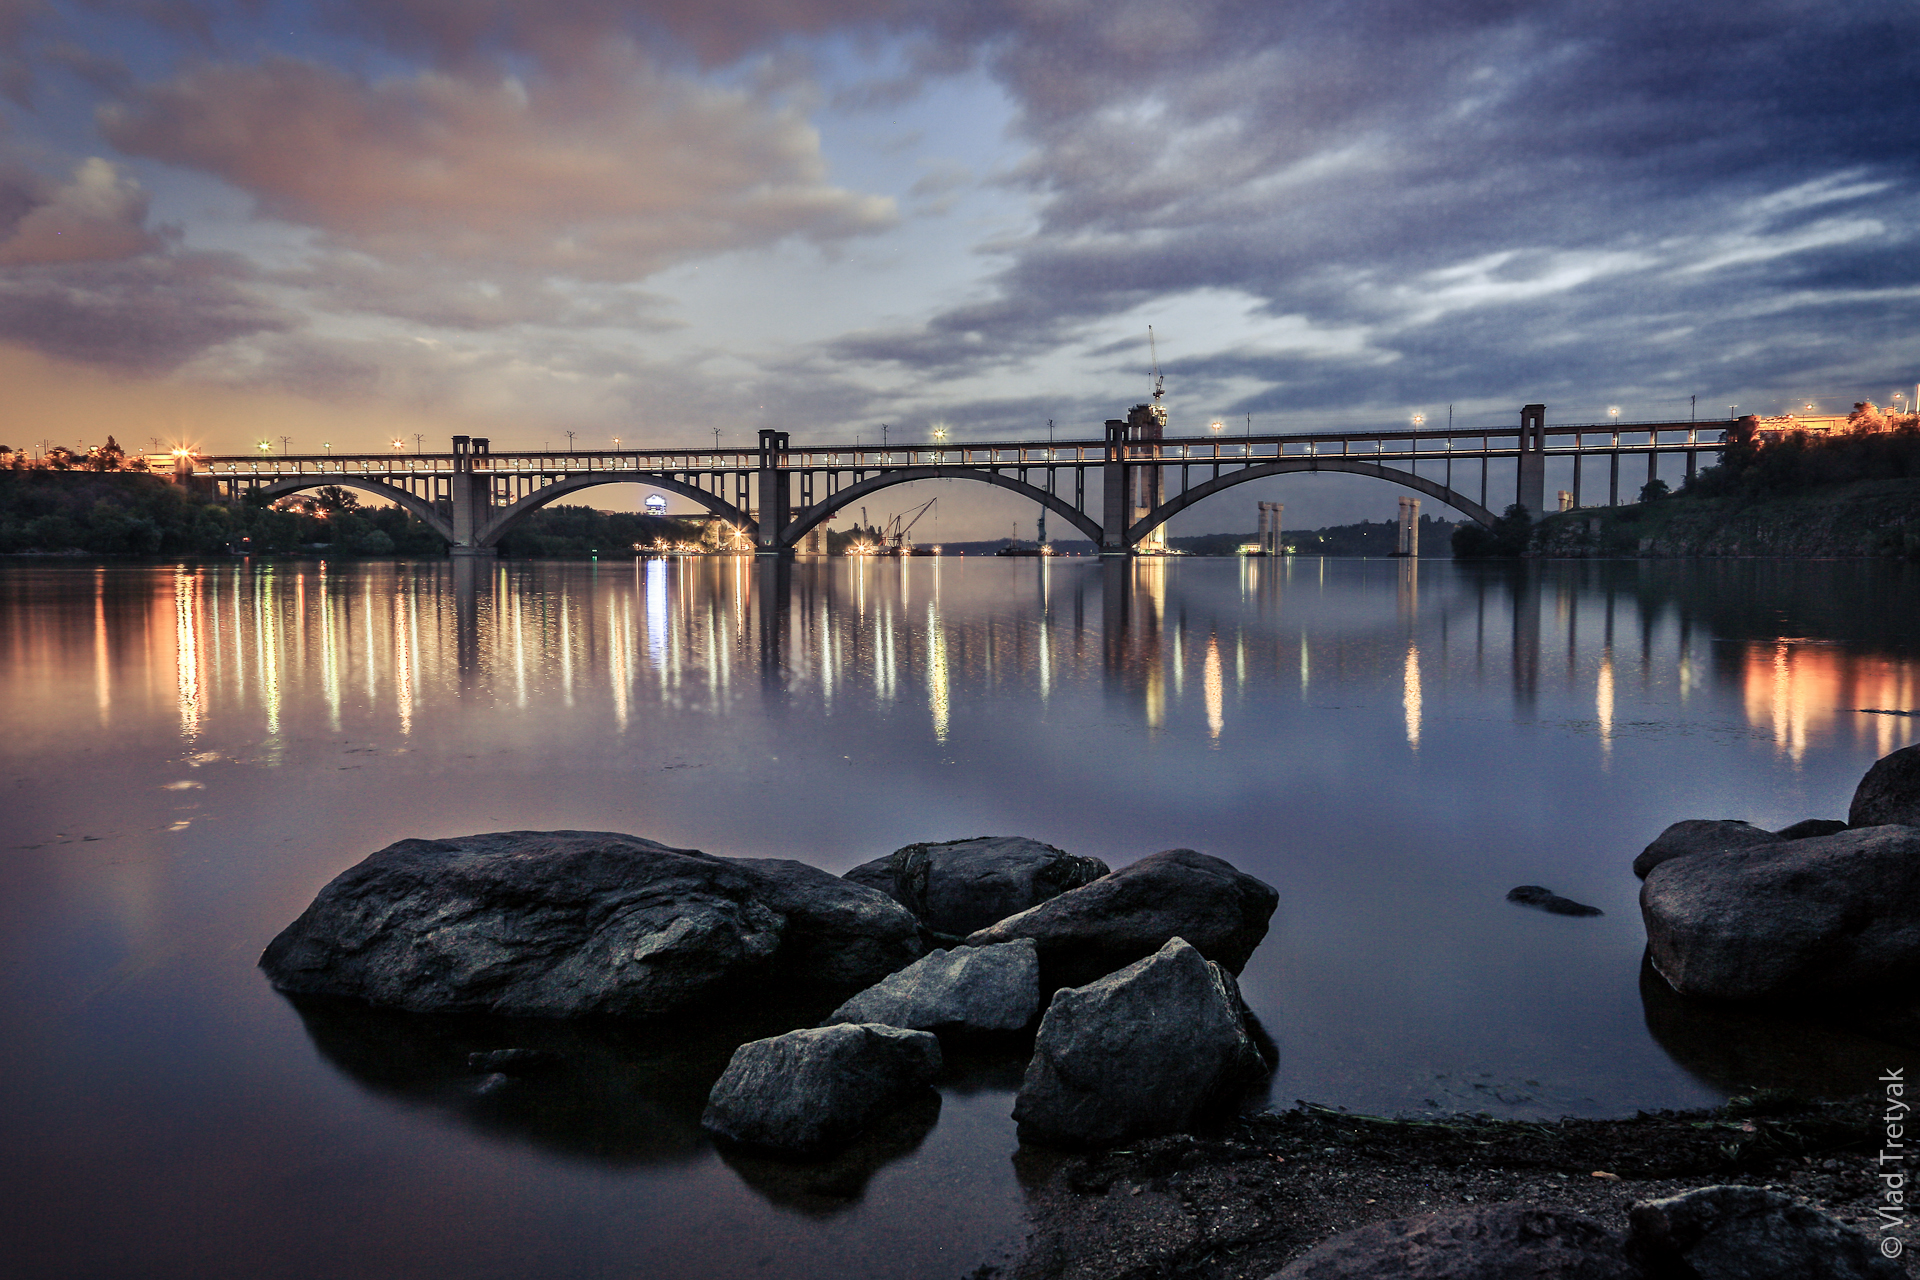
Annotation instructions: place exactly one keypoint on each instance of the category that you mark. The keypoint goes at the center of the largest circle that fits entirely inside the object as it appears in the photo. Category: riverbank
(1871, 518)
(1241, 1204)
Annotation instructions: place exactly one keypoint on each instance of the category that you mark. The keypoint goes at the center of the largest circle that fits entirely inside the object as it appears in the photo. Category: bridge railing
(1401, 443)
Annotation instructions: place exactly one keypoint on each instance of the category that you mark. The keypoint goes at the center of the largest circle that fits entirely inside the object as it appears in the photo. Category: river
(192, 751)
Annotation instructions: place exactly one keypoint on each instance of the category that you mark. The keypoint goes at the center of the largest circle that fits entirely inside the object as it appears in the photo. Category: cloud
(713, 31)
(1475, 184)
(98, 215)
(149, 313)
(609, 173)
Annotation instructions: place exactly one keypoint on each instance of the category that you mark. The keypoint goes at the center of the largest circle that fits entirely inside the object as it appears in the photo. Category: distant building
(655, 504)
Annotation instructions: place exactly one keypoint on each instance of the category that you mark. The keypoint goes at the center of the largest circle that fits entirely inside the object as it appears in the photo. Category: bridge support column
(776, 495)
(1532, 492)
(469, 494)
(1113, 497)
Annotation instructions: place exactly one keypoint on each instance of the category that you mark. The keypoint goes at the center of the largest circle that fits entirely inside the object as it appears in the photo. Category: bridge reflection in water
(1608, 647)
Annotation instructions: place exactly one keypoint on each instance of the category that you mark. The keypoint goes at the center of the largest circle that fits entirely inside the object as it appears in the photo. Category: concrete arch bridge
(1117, 490)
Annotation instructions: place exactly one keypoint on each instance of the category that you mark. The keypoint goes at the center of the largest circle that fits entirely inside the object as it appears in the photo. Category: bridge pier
(470, 499)
(1532, 492)
(1113, 491)
(776, 495)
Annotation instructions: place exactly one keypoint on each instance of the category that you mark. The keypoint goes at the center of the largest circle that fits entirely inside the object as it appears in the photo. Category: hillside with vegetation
(1849, 493)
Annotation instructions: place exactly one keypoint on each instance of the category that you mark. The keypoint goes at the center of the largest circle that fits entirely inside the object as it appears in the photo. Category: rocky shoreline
(1242, 1203)
(1118, 990)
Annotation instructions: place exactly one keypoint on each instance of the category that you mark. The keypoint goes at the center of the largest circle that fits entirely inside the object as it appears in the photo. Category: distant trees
(1875, 445)
(125, 513)
(1507, 537)
(1654, 490)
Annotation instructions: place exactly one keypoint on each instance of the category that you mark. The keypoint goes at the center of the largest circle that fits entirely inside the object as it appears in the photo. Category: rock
(827, 1184)
(1700, 835)
(838, 936)
(814, 1090)
(1747, 1233)
(968, 989)
(573, 923)
(1158, 1047)
(1532, 895)
(1818, 917)
(1498, 1242)
(1890, 792)
(1132, 912)
(1811, 827)
(512, 1062)
(957, 886)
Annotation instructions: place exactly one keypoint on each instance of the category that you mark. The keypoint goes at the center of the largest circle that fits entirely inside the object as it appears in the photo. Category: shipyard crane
(900, 526)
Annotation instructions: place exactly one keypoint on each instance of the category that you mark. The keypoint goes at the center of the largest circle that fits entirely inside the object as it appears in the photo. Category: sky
(350, 221)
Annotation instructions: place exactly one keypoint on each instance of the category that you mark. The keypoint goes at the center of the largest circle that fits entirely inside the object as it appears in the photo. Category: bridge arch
(808, 517)
(1286, 466)
(427, 512)
(507, 517)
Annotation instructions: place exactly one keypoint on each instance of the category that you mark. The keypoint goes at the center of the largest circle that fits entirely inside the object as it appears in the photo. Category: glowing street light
(328, 446)
(1613, 412)
(1419, 420)
(1215, 426)
(399, 444)
(265, 446)
(940, 433)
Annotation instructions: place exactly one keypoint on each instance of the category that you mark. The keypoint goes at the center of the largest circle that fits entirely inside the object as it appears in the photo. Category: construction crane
(895, 540)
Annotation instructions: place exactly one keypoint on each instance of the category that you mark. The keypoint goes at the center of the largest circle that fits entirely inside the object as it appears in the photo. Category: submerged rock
(957, 886)
(1158, 1047)
(968, 989)
(1890, 792)
(1132, 912)
(1747, 1233)
(1818, 917)
(1499, 1242)
(575, 923)
(1700, 835)
(814, 1090)
(1533, 895)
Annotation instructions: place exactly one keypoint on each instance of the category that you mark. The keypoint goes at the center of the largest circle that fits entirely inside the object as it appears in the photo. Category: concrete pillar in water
(1532, 490)
(776, 495)
(1409, 541)
(1113, 494)
(1270, 513)
(468, 492)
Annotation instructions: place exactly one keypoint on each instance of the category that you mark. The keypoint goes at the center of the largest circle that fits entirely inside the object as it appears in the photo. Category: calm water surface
(191, 751)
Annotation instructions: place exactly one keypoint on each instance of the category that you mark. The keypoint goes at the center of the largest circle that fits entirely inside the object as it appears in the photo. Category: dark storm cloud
(149, 313)
(1352, 164)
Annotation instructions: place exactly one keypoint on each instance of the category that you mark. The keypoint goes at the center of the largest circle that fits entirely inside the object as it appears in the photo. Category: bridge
(1117, 490)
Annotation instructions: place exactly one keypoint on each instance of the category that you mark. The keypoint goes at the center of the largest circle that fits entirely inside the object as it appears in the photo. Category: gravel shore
(1241, 1203)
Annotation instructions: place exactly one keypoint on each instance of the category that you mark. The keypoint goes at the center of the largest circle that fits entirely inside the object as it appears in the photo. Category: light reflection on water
(193, 750)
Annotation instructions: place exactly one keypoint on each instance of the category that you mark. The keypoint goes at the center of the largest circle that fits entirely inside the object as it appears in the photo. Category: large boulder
(957, 886)
(1498, 1242)
(1811, 827)
(1132, 912)
(1890, 792)
(1700, 835)
(1747, 1233)
(574, 923)
(1159, 1047)
(814, 1090)
(966, 990)
(1820, 917)
(837, 934)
